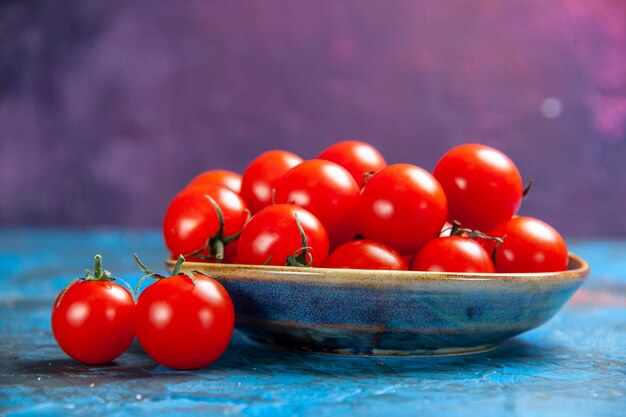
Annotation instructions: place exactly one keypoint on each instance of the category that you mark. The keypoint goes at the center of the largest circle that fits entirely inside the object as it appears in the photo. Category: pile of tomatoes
(349, 209)
(345, 209)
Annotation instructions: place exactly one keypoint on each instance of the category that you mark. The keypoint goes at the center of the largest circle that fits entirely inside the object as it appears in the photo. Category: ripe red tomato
(328, 191)
(191, 220)
(530, 245)
(225, 178)
(260, 177)
(184, 325)
(402, 206)
(272, 237)
(453, 254)
(93, 319)
(482, 185)
(361, 160)
(366, 254)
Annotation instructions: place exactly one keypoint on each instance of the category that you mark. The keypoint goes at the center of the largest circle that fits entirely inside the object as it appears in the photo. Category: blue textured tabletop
(575, 365)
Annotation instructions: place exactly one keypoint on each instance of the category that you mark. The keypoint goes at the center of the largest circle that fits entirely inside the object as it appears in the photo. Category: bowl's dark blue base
(353, 343)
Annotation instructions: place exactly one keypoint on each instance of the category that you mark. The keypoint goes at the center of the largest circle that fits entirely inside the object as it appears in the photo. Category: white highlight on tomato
(300, 198)
(461, 183)
(78, 313)
(494, 157)
(264, 241)
(160, 314)
(383, 208)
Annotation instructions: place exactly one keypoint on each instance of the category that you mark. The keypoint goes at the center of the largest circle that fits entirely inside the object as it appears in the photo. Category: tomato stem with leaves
(300, 257)
(367, 175)
(215, 244)
(99, 274)
(457, 230)
(176, 271)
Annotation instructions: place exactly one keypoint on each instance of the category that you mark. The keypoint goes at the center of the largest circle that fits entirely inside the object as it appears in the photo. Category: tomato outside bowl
(390, 313)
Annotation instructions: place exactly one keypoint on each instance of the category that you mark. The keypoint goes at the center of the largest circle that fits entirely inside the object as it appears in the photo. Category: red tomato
(402, 206)
(328, 191)
(482, 185)
(359, 158)
(93, 319)
(366, 254)
(184, 325)
(225, 178)
(272, 236)
(530, 245)
(453, 254)
(260, 178)
(191, 220)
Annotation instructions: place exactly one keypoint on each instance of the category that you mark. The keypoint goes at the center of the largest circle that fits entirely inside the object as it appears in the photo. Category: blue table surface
(574, 365)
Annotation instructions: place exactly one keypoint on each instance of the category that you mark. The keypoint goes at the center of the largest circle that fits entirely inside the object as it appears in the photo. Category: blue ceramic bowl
(367, 312)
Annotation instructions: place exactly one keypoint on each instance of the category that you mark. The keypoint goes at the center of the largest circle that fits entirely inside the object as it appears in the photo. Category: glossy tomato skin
(402, 206)
(328, 191)
(183, 325)
(359, 158)
(530, 245)
(482, 185)
(272, 234)
(191, 219)
(94, 321)
(261, 176)
(453, 254)
(366, 254)
(223, 177)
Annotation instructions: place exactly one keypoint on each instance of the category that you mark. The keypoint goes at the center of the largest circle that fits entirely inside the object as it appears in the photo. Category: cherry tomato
(482, 185)
(402, 206)
(93, 319)
(328, 191)
(184, 324)
(191, 220)
(359, 158)
(366, 254)
(453, 254)
(272, 237)
(225, 178)
(260, 177)
(530, 245)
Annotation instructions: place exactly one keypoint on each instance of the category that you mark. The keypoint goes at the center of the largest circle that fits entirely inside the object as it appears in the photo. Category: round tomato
(482, 185)
(530, 245)
(453, 254)
(359, 158)
(366, 254)
(402, 206)
(93, 318)
(184, 322)
(273, 237)
(192, 224)
(260, 177)
(328, 191)
(225, 178)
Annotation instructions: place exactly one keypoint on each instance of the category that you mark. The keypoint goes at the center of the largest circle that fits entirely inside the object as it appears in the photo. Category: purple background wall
(108, 107)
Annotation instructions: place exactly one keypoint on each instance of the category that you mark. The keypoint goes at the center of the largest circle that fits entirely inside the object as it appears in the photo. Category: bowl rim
(577, 270)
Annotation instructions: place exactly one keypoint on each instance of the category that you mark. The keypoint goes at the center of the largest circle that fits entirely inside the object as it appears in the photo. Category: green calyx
(99, 274)
(176, 271)
(457, 230)
(213, 249)
(300, 257)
